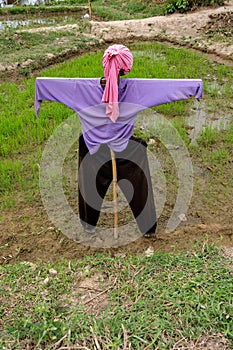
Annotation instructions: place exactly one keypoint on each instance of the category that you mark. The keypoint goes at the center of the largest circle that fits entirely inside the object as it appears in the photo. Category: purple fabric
(84, 95)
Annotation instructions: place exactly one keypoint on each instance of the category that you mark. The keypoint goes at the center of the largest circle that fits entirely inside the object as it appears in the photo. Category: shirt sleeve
(154, 92)
(75, 93)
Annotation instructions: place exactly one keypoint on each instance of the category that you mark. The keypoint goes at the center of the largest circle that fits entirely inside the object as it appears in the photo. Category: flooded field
(36, 22)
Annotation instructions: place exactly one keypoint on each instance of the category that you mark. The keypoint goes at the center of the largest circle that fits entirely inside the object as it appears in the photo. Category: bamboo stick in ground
(114, 175)
(90, 9)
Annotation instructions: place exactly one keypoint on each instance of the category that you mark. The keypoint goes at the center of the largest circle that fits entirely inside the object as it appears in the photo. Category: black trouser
(95, 176)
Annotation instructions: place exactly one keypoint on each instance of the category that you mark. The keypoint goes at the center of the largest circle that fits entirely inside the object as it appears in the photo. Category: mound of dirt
(189, 30)
(221, 24)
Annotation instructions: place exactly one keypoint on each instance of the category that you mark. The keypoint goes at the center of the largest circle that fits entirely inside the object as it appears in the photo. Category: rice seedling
(22, 133)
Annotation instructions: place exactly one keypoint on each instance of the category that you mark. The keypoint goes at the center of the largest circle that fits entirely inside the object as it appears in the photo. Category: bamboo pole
(90, 9)
(114, 175)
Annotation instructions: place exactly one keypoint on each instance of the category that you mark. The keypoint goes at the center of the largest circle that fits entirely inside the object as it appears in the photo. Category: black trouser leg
(95, 174)
(132, 165)
(92, 186)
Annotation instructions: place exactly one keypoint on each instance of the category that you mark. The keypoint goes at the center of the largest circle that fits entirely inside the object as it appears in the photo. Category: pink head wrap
(115, 59)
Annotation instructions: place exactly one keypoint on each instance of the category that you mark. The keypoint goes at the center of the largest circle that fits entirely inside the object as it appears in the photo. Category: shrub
(187, 5)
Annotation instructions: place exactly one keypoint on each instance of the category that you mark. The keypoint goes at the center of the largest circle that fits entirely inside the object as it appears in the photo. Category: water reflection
(30, 22)
(4, 3)
(32, 2)
(200, 119)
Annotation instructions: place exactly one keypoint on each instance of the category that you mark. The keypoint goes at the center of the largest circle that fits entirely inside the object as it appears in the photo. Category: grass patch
(114, 10)
(148, 302)
(22, 135)
(19, 47)
(118, 9)
(214, 154)
(28, 10)
(155, 300)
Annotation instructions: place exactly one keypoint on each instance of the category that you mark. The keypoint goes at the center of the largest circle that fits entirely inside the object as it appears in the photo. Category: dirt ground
(193, 30)
(27, 234)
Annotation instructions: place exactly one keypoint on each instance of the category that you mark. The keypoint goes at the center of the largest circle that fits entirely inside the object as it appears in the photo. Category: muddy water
(35, 22)
(200, 119)
(24, 23)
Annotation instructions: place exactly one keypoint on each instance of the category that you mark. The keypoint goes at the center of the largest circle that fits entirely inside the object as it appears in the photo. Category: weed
(207, 137)
(156, 300)
(21, 131)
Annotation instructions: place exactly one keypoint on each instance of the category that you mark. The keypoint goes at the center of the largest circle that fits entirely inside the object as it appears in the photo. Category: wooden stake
(90, 9)
(114, 175)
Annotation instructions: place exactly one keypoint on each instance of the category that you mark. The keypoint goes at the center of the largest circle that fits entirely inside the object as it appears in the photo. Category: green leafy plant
(187, 5)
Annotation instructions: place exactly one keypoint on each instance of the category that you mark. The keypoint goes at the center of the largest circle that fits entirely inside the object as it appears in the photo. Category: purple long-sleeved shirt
(83, 95)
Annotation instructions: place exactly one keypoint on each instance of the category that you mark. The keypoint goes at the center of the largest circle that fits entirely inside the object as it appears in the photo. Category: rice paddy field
(173, 291)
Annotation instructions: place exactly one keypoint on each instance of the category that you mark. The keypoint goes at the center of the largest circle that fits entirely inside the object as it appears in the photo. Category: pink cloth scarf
(115, 59)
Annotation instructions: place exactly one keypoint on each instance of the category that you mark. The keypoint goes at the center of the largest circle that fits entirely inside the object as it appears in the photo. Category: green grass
(19, 47)
(121, 10)
(157, 300)
(117, 10)
(149, 301)
(22, 135)
(113, 10)
(29, 10)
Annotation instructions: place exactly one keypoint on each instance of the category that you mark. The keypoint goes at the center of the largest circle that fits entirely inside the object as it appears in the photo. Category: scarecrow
(108, 152)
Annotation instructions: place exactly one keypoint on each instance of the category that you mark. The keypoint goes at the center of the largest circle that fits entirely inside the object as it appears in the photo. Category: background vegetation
(119, 9)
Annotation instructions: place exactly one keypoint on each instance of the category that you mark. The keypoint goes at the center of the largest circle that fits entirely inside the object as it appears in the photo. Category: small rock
(26, 63)
(53, 272)
(182, 217)
(46, 280)
(152, 142)
(149, 252)
(50, 55)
